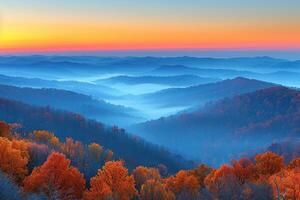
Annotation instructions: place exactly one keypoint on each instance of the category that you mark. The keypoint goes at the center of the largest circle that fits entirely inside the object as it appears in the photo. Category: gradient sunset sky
(91, 25)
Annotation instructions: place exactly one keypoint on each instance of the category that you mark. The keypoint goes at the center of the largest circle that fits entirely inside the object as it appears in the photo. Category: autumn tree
(200, 173)
(244, 170)
(223, 183)
(13, 161)
(142, 174)
(294, 164)
(268, 163)
(112, 182)
(109, 155)
(183, 185)
(4, 129)
(56, 177)
(45, 137)
(95, 151)
(74, 150)
(286, 184)
(154, 189)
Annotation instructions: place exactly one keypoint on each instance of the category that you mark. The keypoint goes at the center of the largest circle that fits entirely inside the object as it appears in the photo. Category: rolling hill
(227, 128)
(181, 80)
(201, 94)
(73, 102)
(132, 149)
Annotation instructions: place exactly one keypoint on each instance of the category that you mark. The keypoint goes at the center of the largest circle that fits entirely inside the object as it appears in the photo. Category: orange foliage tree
(244, 170)
(95, 151)
(13, 160)
(183, 184)
(223, 183)
(142, 174)
(286, 184)
(112, 182)
(56, 176)
(74, 150)
(294, 164)
(4, 129)
(200, 173)
(154, 189)
(46, 137)
(268, 163)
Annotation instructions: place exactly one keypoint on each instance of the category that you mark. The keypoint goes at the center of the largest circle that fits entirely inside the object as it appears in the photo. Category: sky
(120, 25)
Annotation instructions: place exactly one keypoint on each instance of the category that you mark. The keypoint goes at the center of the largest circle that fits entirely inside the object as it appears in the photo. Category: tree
(95, 151)
(142, 174)
(200, 173)
(183, 185)
(286, 184)
(223, 184)
(109, 155)
(294, 164)
(4, 129)
(56, 176)
(12, 160)
(268, 163)
(10, 191)
(45, 137)
(112, 182)
(38, 154)
(155, 190)
(74, 150)
(244, 170)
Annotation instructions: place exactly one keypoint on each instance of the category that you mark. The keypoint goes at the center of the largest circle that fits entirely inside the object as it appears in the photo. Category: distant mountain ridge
(73, 102)
(229, 127)
(201, 94)
(180, 80)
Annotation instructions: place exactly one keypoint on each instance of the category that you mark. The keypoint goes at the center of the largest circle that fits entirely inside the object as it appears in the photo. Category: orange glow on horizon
(36, 36)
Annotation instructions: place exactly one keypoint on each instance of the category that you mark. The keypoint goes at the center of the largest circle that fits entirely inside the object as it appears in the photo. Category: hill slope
(71, 101)
(132, 149)
(200, 94)
(181, 80)
(222, 130)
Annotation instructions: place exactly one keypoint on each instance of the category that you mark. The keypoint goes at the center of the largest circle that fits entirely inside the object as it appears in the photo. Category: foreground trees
(183, 185)
(56, 178)
(112, 182)
(13, 159)
(143, 174)
(154, 189)
(42, 167)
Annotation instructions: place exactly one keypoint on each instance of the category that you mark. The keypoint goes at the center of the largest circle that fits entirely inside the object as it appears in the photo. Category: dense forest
(231, 126)
(41, 166)
(133, 149)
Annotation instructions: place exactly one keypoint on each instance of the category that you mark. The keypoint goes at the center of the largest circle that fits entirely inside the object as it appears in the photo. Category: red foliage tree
(56, 176)
(183, 184)
(244, 170)
(4, 129)
(222, 183)
(286, 184)
(154, 189)
(268, 163)
(142, 174)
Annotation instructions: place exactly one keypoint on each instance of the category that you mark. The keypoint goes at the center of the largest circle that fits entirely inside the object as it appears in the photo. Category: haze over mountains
(196, 107)
(135, 151)
(73, 102)
(234, 125)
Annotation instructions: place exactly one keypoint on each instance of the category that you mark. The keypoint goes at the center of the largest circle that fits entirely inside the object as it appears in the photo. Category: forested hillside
(134, 150)
(40, 166)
